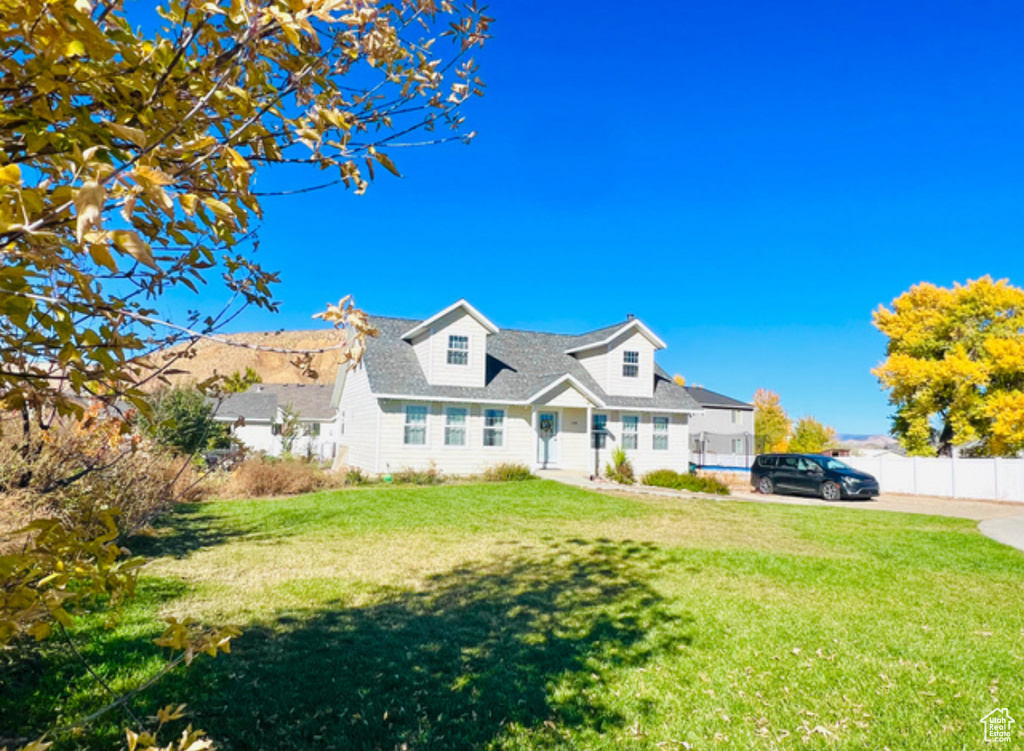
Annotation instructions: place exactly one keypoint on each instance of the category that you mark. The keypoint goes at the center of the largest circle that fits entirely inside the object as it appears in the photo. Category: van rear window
(766, 461)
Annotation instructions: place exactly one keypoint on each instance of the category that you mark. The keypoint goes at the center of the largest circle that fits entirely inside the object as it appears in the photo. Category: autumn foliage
(772, 425)
(128, 151)
(955, 366)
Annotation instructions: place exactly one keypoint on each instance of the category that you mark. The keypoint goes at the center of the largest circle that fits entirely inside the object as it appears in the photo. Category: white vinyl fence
(997, 479)
(713, 460)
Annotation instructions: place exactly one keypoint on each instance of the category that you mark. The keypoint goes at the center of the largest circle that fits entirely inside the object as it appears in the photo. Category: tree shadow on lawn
(520, 641)
(188, 528)
(45, 685)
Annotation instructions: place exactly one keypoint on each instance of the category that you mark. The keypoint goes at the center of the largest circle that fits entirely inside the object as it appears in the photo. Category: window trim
(634, 434)
(465, 426)
(655, 433)
(426, 425)
(500, 430)
(454, 350)
(630, 366)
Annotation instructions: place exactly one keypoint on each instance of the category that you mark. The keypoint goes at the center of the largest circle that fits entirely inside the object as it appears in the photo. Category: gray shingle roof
(310, 401)
(706, 398)
(519, 364)
(250, 405)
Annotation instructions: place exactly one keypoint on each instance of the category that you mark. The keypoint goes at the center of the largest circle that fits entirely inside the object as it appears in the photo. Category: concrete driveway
(1003, 521)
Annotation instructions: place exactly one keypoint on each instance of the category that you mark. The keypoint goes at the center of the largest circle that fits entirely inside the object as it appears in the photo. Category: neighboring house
(457, 392)
(258, 415)
(722, 436)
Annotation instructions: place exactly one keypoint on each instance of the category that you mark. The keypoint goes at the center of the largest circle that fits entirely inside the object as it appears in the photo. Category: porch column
(536, 437)
(589, 432)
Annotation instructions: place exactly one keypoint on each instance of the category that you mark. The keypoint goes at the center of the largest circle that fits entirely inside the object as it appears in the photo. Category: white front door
(547, 439)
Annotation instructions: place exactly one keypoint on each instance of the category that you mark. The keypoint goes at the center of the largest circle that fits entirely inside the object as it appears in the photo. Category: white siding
(620, 385)
(645, 458)
(596, 363)
(433, 351)
(421, 346)
(517, 447)
(565, 395)
(358, 444)
(258, 436)
(575, 442)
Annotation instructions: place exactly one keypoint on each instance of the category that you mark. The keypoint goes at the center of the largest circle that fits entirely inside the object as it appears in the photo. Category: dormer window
(630, 363)
(458, 350)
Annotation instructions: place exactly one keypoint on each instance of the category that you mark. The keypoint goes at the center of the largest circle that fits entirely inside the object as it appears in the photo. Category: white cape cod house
(457, 392)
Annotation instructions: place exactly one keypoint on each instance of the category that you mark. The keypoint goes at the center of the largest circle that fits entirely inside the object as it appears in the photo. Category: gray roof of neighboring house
(250, 405)
(519, 364)
(261, 402)
(707, 398)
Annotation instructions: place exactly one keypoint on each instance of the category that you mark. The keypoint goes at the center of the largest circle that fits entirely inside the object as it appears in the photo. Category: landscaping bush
(183, 420)
(80, 466)
(429, 476)
(668, 478)
(263, 476)
(355, 476)
(620, 469)
(507, 472)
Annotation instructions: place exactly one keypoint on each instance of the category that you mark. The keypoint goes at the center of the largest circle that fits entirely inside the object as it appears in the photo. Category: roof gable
(461, 304)
(633, 324)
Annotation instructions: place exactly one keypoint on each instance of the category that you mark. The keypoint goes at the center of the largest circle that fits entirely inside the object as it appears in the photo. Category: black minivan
(811, 474)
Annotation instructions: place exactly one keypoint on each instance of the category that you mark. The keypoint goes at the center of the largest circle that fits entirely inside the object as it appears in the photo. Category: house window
(342, 426)
(600, 432)
(312, 429)
(630, 428)
(737, 445)
(494, 427)
(458, 350)
(735, 417)
(630, 364)
(455, 426)
(660, 442)
(415, 426)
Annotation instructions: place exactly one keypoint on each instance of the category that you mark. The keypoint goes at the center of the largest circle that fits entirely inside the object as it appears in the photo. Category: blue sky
(750, 179)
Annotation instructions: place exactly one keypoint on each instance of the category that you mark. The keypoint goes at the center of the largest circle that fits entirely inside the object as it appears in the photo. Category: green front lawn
(531, 615)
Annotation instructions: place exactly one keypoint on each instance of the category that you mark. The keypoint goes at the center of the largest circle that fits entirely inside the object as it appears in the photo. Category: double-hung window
(660, 441)
(455, 426)
(737, 445)
(458, 350)
(630, 430)
(735, 416)
(494, 427)
(415, 425)
(600, 432)
(630, 364)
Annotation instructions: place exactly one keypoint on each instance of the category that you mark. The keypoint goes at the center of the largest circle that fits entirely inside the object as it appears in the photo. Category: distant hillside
(212, 357)
(859, 441)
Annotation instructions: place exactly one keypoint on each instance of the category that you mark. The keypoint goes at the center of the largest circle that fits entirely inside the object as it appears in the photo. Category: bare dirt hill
(222, 359)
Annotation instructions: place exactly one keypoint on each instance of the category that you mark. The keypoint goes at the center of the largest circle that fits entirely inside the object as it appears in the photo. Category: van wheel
(764, 485)
(831, 491)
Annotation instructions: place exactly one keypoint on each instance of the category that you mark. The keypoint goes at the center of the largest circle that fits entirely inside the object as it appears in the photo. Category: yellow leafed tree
(772, 425)
(955, 366)
(128, 150)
